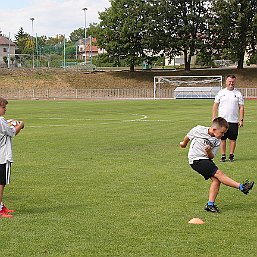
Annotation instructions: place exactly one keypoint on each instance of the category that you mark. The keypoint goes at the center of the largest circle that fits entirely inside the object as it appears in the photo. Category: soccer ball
(13, 122)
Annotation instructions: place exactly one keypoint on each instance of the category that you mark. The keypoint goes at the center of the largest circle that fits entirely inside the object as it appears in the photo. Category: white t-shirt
(6, 134)
(229, 102)
(200, 138)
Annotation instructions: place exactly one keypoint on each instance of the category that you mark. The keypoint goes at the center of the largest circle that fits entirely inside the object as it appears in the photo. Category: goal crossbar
(186, 81)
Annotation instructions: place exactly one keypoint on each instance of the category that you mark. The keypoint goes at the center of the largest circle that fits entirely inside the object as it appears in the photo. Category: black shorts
(205, 167)
(232, 132)
(5, 171)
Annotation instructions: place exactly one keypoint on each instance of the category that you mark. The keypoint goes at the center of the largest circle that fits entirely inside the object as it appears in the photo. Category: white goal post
(170, 87)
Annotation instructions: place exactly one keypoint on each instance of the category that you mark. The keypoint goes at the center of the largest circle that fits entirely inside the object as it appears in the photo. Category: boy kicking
(7, 131)
(204, 145)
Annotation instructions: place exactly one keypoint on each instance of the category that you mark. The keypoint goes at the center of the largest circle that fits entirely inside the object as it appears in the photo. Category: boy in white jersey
(204, 145)
(7, 131)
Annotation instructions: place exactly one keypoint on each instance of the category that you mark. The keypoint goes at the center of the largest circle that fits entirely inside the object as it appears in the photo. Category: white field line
(141, 118)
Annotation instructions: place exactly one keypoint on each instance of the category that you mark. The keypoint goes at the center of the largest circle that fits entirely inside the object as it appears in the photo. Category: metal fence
(248, 92)
(124, 93)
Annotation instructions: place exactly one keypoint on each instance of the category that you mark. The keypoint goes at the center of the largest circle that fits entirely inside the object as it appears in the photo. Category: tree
(58, 39)
(232, 27)
(23, 42)
(77, 34)
(252, 50)
(93, 29)
(182, 27)
(122, 30)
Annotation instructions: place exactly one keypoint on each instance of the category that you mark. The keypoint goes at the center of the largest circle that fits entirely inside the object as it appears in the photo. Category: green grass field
(107, 178)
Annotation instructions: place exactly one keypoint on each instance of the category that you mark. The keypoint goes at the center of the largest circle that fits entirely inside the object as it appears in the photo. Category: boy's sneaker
(223, 158)
(6, 210)
(247, 186)
(231, 157)
(211, 208)
(5, 215)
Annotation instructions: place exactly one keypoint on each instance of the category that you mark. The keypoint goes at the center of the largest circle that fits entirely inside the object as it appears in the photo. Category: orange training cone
(196, 221)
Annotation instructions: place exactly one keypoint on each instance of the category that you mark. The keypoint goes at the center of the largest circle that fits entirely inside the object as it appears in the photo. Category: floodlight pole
(64, 53)
(8, 53)
(33, 57)
(85, 28)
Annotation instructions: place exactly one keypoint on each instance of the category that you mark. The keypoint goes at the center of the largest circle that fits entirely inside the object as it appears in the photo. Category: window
(5, 50)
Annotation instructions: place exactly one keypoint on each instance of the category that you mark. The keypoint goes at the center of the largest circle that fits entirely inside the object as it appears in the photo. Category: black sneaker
(247, 186)
(231, 157)
(211, 208)
(223, 158)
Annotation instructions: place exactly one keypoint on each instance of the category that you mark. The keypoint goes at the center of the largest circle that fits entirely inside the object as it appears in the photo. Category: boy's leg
(224, 179)
(3, 214)
(214, 189)
(1, 193)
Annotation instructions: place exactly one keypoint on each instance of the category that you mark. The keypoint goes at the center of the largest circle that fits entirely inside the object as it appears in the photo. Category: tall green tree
(122, 30)
(232, 27)
(182, 25)
(24, 42)
(252, 50)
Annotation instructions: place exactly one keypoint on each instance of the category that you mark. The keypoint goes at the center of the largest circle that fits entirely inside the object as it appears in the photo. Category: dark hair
(220, 122)
(3, 101)
(231, 76)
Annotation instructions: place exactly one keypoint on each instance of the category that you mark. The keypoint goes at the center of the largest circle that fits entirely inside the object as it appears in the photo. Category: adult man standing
(228, 103)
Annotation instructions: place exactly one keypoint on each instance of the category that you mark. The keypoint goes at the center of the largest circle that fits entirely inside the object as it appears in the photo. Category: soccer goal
(183, 87)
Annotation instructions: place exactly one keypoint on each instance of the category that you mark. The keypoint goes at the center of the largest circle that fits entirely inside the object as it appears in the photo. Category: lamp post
(8, 53)
(85, 13)
(33, 57)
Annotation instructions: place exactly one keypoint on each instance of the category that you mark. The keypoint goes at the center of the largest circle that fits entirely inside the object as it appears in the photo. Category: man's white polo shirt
(229, 102)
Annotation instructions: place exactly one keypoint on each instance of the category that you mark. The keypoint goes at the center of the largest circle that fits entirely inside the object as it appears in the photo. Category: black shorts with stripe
(232, 132)
(5, 172)
(205, 167)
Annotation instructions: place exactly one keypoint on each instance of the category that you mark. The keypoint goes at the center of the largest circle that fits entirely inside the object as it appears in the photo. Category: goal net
(183, 87)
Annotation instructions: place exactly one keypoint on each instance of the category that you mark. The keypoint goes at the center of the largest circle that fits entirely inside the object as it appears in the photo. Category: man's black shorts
(205, 167)
(232, 132)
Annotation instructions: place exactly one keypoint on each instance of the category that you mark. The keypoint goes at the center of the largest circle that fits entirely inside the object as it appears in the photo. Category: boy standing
(7, 131)
(204, 145)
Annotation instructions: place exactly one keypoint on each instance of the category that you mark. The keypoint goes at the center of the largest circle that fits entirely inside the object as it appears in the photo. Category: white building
(5, 43)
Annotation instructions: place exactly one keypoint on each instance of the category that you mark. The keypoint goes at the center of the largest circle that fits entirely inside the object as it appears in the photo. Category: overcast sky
(52, 17)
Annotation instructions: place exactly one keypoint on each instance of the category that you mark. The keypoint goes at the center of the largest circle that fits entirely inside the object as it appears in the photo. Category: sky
(51, 17)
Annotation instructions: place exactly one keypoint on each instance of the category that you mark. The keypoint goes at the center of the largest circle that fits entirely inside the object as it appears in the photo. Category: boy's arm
(19, 127)
(183, 144)
(209, 152)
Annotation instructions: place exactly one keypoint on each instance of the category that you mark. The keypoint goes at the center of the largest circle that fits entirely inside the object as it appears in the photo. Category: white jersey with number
(200, 138)
(6, 134)
(229, 102)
